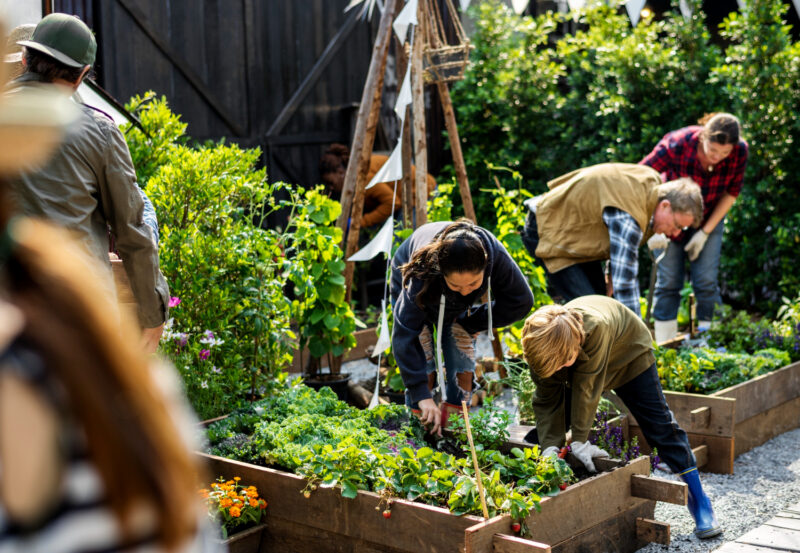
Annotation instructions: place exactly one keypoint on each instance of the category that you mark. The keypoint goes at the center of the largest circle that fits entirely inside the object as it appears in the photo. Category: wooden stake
(475, 460)
(420, 141)
(405, 191)
(357, 167)
(455, 149)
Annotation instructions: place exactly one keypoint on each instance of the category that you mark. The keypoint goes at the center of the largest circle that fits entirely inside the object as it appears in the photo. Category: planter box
(608, 512)
(364, 339)
(248, 541)
(734, 420)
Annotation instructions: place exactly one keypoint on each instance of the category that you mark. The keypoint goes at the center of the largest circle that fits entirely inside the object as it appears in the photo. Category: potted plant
(323, 317)
(239, 511)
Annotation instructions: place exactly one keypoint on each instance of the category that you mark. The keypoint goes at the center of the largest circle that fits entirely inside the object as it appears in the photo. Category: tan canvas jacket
(569, 217)
(618, 348)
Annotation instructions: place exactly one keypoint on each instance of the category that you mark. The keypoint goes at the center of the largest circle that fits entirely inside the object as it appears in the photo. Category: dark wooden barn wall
(249, 56)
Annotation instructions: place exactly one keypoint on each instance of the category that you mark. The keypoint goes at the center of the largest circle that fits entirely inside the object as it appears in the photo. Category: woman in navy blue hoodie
(439, 274)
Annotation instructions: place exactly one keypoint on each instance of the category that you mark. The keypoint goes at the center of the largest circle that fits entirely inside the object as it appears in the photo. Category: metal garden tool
(653, 271)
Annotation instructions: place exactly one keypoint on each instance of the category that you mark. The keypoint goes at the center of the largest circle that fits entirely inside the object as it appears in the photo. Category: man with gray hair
(604, 212)
(89, 186)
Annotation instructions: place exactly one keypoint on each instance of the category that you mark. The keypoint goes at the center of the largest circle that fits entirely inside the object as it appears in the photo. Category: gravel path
(766, 480)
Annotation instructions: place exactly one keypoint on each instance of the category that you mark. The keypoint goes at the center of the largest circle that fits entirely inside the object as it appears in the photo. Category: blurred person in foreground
(95, 441)
(89, 184)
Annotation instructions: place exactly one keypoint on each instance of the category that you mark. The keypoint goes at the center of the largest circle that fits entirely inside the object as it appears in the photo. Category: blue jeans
(458, 355)
(581, 279)
(645, 400)
(703, 273)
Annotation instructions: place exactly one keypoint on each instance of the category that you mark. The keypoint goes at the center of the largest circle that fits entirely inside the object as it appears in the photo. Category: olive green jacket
(618, 348)
(569, 217)
(89, 186)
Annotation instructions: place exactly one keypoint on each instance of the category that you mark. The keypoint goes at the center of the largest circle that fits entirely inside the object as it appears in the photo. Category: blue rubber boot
(706, 525)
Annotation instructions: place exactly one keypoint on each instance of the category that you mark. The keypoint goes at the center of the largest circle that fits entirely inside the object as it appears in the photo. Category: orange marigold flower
(262, 504)
(235, 512)
(253, 503)
(237, 478)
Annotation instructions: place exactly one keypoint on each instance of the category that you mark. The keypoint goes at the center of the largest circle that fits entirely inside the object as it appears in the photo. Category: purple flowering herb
(204, 354)
(183, 339)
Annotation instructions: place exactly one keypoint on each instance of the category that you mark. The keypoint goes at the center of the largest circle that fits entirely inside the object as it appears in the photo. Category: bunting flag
(406, 17)
(634, 8)
(519, 5)
(742, 4)
(404, 98)
(796, 6)
(392, 170)
(384, 339)
(576, 4)
(464, 5)
(686, 10)
(382, 243)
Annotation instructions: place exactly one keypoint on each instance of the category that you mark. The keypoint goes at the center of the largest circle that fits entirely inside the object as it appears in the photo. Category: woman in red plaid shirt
(714, 155)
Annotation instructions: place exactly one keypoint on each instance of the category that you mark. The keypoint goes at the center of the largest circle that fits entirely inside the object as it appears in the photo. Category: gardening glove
(658, 242)
(695, 245)
(551, 451)
(585, 452)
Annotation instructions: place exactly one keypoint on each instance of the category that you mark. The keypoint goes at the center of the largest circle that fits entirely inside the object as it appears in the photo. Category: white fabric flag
(742, 4)
(797, 6)
(392, 170)
(406, 17)
(634, 8)
(686, 10)
(465, 5)
(576, 4)
(382, 243)
(519, 5)
(384, 339)
(404, 98)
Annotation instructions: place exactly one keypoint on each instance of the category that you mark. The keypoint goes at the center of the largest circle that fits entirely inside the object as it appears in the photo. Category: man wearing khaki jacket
(604, 212)
(89, 185)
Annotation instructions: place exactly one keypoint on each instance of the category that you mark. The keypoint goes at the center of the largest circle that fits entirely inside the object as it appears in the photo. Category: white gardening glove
(585, 452)
(658, 241)
(695, 245)
(551, 451)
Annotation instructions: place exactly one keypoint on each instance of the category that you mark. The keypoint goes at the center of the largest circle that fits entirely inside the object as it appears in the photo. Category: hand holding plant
(234, 506)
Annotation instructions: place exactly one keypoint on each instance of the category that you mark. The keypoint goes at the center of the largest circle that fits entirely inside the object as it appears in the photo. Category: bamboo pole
(455, 149)
(475, 460)
(357, 167)
(418, 94)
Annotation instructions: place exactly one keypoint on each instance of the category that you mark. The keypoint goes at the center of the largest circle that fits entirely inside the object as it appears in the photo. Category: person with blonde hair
(605, 212)
(714, 155)
(96, 449)
(591, 345)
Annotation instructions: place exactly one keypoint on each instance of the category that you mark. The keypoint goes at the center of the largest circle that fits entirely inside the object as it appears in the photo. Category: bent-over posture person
(439, 274)
(605, 212)
(586, 347)
(715, 156)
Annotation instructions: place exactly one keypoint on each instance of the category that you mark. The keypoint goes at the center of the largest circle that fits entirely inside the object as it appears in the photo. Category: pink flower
(174, 301)
(204, 354)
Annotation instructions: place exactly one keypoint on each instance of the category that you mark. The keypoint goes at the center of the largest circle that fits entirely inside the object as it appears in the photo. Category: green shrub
(544, 106)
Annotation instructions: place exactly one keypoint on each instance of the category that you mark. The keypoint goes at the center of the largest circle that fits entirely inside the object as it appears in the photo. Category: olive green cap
(65, 38)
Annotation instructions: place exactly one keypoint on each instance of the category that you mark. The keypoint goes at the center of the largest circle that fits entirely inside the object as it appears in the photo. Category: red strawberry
(516, 527)
(563, 486)
(563, 453)
(387, 513)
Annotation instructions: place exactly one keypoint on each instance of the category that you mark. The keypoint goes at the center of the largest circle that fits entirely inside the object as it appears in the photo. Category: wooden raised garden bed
(734, 420)
(612, 511)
